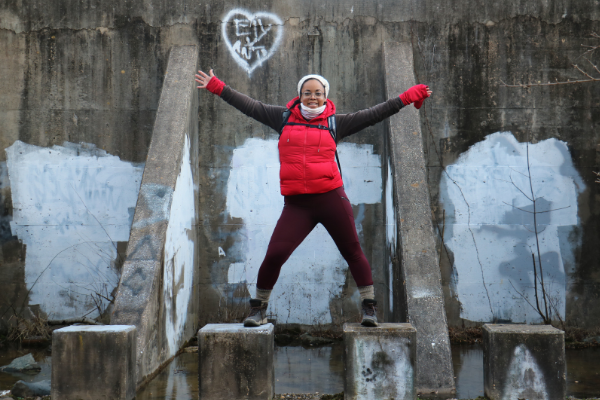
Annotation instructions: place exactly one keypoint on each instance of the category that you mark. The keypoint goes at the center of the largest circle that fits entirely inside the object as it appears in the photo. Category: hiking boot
(258, 313)
(369, 312)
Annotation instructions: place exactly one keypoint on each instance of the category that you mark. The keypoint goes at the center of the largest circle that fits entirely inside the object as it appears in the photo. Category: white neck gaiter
(310, 113)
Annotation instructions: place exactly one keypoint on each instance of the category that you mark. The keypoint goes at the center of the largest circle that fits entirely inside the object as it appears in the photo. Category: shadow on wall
(491, 232)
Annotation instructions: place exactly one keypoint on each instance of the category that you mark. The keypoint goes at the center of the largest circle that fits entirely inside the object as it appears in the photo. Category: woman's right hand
(203, 79)
(210, 82)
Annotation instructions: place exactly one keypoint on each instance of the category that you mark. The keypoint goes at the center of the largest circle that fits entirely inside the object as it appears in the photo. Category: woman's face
(312, 94)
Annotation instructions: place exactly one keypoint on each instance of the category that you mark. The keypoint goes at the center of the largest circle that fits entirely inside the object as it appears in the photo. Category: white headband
(317, 77)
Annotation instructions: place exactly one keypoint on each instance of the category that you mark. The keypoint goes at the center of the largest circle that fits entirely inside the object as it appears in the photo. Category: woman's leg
(335, 213)
(337, 217)
(294, 225)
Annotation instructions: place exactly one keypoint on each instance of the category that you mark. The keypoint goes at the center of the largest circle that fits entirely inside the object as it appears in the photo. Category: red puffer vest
(307, 155)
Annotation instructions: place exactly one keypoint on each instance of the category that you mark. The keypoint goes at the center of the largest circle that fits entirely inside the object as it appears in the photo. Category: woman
(310, 179)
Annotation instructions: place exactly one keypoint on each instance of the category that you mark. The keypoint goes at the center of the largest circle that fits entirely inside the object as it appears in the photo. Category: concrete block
(94, 362)
(236, 362)
(524, 362)
(381, 363)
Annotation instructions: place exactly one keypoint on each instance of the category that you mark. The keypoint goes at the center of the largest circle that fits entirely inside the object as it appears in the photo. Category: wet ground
(312, 370)
(10, 352)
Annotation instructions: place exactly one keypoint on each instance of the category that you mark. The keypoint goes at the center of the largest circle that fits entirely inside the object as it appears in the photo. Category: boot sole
(253, 324)
(369, 323)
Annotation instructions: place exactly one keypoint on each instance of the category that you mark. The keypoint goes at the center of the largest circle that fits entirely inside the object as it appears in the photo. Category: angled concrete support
(423, 300)
(158, 288)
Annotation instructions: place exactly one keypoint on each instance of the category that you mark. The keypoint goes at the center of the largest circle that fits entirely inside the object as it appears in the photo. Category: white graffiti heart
(251, 38)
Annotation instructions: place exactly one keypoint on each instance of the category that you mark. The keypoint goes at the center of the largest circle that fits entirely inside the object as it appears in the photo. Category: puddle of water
(321, 369)
(9, 352)
(179, 380)
(309, 370)
(583, 372)
(468, 370)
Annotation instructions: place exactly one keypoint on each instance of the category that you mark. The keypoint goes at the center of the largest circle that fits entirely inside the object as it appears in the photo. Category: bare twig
(528, 85)
(591, 78)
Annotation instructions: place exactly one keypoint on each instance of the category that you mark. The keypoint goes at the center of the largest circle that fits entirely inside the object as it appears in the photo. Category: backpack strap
(333, 132)
(286, 116)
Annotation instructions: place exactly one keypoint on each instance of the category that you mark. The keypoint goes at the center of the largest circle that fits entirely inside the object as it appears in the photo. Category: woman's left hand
(416, 95)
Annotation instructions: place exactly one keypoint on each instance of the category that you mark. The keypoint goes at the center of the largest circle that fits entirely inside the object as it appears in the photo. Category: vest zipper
(304, 154)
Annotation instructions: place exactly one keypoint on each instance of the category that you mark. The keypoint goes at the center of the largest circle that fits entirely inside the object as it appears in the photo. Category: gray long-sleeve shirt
(347, 124)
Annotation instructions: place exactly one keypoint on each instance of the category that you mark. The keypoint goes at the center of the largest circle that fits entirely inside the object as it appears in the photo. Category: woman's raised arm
(267, 114)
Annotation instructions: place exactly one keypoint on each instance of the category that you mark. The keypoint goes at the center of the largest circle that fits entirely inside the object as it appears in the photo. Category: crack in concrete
(441, 164)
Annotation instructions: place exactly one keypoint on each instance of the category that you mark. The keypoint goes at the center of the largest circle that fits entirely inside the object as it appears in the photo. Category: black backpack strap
(286, 116)
(332, 127)
(333, 132)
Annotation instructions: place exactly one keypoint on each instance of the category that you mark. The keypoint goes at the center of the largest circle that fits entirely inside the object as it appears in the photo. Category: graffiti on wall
(178, 271)
(71, 205)
(315, 272)
(251, 38)
(489, 226)
(524, 378)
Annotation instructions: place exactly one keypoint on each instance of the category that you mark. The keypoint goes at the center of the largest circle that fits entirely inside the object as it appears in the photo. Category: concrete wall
(93, 72)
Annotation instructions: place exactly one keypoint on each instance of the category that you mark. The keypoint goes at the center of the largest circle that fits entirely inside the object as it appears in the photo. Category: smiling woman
(310, 180)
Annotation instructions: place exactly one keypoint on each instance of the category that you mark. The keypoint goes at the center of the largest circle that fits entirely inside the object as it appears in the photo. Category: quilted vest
(307, 155)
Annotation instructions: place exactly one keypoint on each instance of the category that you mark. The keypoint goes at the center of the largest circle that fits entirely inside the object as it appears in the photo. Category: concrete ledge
(94, 362)
(380, 362)
(524, 361)
(236, 362)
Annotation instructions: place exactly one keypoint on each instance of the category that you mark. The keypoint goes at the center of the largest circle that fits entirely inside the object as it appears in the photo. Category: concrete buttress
(423, 300)
(158, 288)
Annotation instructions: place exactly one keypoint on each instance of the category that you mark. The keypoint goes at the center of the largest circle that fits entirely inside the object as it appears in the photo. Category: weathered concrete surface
(381, 363)
(104, 64)
(419, 265)
(94, 362)
(524, 361)
(235, 362)
(158, 291)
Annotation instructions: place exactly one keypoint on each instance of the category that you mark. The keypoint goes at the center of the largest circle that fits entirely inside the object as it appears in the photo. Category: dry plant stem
(537, 239)
(590, 50)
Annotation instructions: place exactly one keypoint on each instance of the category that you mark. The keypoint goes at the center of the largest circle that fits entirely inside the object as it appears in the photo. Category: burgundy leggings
(301, 213)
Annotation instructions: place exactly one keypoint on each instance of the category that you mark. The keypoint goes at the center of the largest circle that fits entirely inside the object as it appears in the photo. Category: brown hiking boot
(369, 312)
(258, 313)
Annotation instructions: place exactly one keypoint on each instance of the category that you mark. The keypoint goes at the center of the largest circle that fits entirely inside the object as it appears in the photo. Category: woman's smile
(312, 94)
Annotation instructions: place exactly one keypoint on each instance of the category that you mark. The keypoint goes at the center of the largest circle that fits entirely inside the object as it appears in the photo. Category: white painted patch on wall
(179, 254)
(71, 205)
(492, 240)
(386, 371)
(524, 379)
(390, 231)
(316, 271)
(251, 38)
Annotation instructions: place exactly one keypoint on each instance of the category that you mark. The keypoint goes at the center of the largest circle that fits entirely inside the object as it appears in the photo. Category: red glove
(415, 94)
(215, 85)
